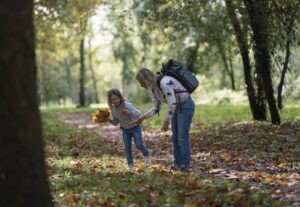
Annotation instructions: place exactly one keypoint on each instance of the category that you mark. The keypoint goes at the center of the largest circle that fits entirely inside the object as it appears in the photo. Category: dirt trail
(159, 145)
(157, 142)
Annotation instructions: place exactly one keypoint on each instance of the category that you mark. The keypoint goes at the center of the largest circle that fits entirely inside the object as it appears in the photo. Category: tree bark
(23, 178)
(286, 60)
(282, 77)
(192, 56)
(43, 82)
(67, 67)
(261, 98)
(231, 73)
(257, 11)
(82, 75)
(244, 50)
(82, 26)
(228, 70)
(96, 97)
(124, 69)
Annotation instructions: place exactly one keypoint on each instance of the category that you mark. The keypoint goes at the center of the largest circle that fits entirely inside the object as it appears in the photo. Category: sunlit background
(119, 37)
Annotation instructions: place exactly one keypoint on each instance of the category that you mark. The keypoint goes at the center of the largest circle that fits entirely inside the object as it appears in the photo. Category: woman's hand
(136, 122)
(165, 127)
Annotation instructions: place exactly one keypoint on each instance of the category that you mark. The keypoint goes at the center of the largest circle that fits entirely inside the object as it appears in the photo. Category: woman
(181, 109)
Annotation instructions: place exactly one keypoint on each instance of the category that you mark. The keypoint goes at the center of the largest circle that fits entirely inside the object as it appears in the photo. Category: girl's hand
(125, 112)
(165, 127)
(108, 120)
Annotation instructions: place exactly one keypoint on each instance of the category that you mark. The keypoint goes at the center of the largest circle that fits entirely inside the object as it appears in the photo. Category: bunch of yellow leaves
(100, 116)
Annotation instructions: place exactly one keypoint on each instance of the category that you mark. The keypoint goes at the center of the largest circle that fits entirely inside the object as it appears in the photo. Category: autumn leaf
(283, 183)
(296, 177)
(251, 162)
(281, 164)
(268, 180)
(226, 157)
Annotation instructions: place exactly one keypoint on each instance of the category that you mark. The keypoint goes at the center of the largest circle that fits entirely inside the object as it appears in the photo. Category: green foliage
(60, 26)
(146, 34)
(197, 31)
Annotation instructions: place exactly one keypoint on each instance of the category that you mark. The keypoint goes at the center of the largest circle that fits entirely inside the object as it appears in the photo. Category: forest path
(204, 161)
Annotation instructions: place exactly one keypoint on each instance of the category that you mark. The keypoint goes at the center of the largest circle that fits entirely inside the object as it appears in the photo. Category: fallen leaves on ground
(232, 164)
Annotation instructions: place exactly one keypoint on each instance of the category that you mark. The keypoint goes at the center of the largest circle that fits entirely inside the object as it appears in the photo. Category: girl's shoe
(148, 161)
(130, 168)
(184, 169)
(174, 168)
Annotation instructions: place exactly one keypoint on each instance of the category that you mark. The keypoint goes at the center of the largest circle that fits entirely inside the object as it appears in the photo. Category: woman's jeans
(136, 133)
(181, 122)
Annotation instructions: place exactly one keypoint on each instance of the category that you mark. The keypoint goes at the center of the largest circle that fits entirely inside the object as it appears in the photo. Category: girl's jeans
(181, 122)
(136, 133)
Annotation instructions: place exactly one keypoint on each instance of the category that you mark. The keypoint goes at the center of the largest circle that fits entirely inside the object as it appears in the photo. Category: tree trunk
(231, 73)
(286, 61)
(82, 75)
(261, 98)
(95, 88)
(43, 82)
(284, 70)
(244, 50)
(257, 11)
(228, 70)
(124, 76)
(192, 56)
(23, 177)
(67, 67)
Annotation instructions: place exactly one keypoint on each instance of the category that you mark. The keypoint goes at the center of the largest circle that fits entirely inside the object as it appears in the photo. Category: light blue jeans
(181, 122)
(127, 135)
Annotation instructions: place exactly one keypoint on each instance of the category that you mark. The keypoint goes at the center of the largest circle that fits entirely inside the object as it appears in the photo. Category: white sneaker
(148, 160)
(130, 168)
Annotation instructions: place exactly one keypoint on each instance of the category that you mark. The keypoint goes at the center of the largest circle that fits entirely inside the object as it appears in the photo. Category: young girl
(123, 112)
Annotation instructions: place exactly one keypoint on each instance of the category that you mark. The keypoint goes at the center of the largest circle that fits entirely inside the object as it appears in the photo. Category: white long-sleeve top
(169, 86)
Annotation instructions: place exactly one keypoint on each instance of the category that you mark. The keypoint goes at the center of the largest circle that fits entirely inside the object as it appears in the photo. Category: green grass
(210, 114)
(207, 114)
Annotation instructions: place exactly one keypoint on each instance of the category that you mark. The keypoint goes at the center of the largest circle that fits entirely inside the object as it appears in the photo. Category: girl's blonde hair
(116, 92)
(147, 77)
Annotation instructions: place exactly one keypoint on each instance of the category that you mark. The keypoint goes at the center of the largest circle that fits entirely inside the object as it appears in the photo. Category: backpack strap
(158, 79)
(180, 91)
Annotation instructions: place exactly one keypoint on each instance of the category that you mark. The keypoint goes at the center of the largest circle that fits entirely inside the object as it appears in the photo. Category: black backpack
(180, 73)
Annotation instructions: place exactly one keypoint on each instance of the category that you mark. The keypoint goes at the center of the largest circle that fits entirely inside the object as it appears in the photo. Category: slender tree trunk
(124, 68)
(231, 73)
(228, 70)
(192, 56)
(284, 70)
(67, 67)
(259, 24)
(96, 97)
(82, 75)
(244, 50)
(23, 177)
(82, 25)
(286, 60)
(44, 82)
